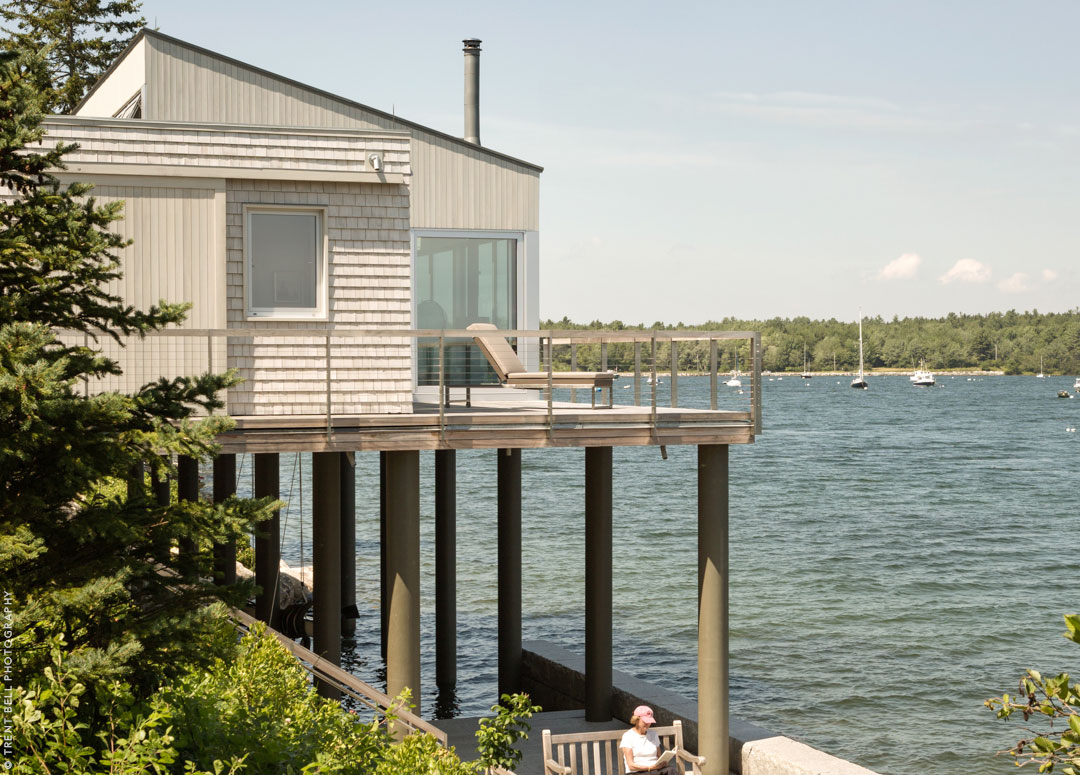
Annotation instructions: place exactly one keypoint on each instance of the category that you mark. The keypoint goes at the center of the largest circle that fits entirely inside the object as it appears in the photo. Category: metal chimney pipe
(472, 90)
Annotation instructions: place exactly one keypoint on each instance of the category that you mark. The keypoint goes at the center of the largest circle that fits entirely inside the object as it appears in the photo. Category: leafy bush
(132, 739)
(1052, 700)
(496, 736)
(259, 705)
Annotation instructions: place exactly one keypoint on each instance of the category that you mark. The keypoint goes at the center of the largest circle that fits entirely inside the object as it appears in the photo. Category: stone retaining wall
(555, 679)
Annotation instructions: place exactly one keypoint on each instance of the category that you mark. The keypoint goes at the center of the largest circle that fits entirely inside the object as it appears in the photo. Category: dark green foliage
(86, 565)
(256, 703)
(1012, 341)
(81, 39)
(251, 711)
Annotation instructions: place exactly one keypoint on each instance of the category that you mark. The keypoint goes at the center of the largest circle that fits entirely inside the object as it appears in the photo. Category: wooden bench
(597, 753)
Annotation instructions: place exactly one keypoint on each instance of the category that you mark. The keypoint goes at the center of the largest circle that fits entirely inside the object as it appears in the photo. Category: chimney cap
(472, 43)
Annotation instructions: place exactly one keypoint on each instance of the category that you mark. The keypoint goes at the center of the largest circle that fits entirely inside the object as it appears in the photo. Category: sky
(742, 159)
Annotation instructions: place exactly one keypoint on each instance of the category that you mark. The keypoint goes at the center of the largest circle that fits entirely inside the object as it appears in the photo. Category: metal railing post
(713, 360)
(637, 373)
(573, 367)
(755, 393)
(329, 422)
(653, 359)
(550, 390)
(442, 388)
(603, 356)
(674, 374)
(86, 379)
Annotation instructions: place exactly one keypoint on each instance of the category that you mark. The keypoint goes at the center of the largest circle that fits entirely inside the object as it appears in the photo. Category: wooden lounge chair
(597, 753)
(511, 372)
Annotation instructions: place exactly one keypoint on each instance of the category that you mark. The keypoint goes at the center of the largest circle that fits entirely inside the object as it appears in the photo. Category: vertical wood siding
(174, 241)
(453, 186)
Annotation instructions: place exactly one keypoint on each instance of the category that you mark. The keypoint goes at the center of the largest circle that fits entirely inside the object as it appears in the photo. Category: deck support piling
(187, 489)
(713, 607)
(326, 555)
(598, 547)
(384, 587)
(267, 541)
(348, 543)
(403, 571)
(509, 571)
(445, 569)
(224, 486)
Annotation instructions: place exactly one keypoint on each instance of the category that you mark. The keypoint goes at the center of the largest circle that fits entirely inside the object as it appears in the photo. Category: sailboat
(805, 373)
(735, 381)
(860, 381)
(1040, 375)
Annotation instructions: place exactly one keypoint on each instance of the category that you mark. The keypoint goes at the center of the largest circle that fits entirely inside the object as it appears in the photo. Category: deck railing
(445, 368)
(349, 685)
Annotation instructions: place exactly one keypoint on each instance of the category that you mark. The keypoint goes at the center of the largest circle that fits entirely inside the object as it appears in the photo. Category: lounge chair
(511, 372)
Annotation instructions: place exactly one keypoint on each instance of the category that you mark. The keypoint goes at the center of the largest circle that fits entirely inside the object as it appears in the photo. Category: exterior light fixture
(375, 161)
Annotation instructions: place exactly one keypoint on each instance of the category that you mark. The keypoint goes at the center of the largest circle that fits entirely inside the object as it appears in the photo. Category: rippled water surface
(897, 556)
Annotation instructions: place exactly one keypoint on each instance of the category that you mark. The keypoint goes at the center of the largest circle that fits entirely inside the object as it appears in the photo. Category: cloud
(903, 268)
(1049, 275)
(1017, 283)
(966, 270)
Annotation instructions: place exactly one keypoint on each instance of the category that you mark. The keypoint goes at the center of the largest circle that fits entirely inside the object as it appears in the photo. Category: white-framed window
(285, 262)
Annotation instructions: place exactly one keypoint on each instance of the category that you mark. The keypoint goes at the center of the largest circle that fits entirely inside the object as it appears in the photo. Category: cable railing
(335, 372)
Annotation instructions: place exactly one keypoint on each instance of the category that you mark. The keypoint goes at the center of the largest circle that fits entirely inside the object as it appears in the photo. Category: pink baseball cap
(644, 712)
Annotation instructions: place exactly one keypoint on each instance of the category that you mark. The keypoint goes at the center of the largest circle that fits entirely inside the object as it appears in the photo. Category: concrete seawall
(555, 678)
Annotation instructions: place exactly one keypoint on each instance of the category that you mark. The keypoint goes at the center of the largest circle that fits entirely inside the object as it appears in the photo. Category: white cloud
(903, 268)
(1017, 283)
(1049, 275)
(966, 270)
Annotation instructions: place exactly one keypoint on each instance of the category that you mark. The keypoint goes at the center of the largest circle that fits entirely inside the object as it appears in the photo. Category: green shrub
(260, 704)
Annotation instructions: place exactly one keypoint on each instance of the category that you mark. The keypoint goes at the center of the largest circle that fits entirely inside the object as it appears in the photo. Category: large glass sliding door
(460, 281)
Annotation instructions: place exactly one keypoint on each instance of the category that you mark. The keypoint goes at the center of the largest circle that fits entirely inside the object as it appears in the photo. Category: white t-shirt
(644, 749)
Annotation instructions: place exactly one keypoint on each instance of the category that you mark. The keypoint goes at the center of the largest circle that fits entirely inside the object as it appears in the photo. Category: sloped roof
(405, 123)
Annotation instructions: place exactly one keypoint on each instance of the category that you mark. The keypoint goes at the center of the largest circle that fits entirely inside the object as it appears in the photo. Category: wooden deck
(524, 424)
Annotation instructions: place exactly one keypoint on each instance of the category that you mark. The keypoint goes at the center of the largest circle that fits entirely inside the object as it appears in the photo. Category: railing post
(713, 359)
(573, 367)
(755, 393)
(674, 374)
(603, 356)
(637, 373)
(550, 392)
(86, 378)
(329, 425)
(653, 359)
(442, 388)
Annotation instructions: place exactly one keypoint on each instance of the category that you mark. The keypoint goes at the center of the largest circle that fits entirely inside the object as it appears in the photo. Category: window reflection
(460, 281)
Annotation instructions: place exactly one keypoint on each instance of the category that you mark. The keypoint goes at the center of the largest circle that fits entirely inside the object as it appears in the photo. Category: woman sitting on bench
(640, 746)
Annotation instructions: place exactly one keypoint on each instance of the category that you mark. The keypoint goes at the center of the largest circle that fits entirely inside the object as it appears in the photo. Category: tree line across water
(1014, 342)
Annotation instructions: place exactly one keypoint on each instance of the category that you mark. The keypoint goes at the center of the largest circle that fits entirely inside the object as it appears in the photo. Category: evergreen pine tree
(88, 560)
(82, 38)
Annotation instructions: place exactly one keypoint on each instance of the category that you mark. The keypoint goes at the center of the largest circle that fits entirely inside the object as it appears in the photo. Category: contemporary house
(335, 255)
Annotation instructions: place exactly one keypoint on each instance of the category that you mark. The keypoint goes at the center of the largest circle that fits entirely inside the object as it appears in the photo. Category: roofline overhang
(147, 32)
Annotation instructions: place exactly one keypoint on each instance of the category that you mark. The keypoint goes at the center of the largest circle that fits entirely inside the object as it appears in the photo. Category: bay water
(897, 556)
